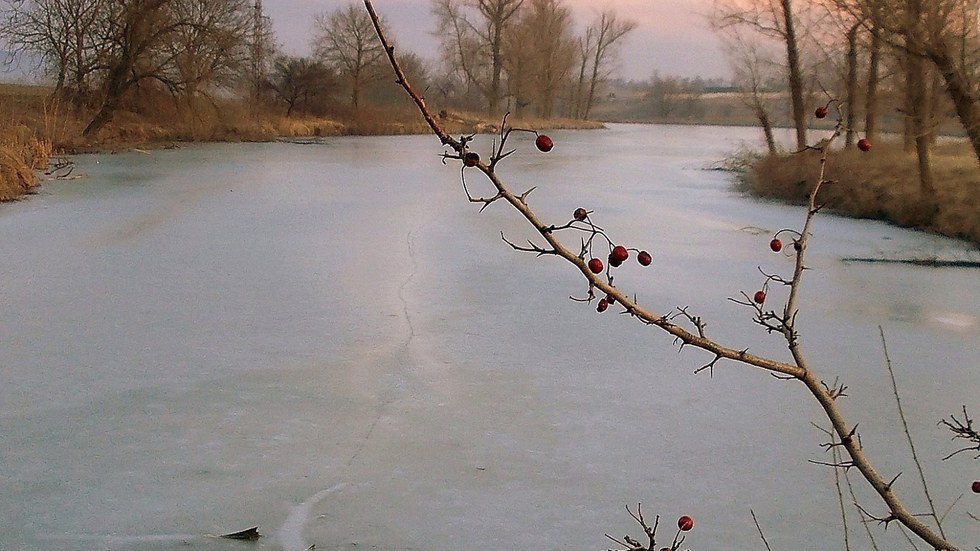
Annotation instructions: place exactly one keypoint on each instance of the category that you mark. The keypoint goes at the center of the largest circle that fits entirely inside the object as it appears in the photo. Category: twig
(908, 434)
(840, 498)
(759, 528)
(962, 429)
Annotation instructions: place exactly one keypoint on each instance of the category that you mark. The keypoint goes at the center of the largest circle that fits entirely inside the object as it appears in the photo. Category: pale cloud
(672, 36)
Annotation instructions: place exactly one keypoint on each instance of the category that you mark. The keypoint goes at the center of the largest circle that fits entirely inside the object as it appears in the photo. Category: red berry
(685, 523)
(603, 304)
(471, 159)
(644, 258)
(580, 214)
(776, 245)
(619, 253)
(595, 266)
(544, 143)
(610, 299)
(759, 297)
(613, 262)
(976, 486)
(821, 112)
(864, 144)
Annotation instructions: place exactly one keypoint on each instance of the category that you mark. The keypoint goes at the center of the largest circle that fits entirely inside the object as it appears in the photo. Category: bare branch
(962, 430)
(759, 528)
(784, 323)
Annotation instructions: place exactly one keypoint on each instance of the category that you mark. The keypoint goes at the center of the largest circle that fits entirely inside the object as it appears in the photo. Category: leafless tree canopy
(345, 41)
(525, 55)
(99, 50)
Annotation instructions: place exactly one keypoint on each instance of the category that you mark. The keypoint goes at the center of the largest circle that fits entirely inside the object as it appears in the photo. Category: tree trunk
(961, 93)
(594, 78)
(763, 116)
(918, 100)
(355, 92)
(135, 37)
(908, 103)
(578, 111)
(851, 85)
(795, 76)
(871, 94)
(116, 84)
(496, 61)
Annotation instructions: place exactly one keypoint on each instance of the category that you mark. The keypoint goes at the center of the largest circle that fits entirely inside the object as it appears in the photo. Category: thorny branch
(629, 544)
(963, 429)
(786, 323)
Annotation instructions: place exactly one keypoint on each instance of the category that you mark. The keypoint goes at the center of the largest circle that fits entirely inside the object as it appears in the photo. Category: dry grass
(881, 184)
(33, 124)
(21, 153)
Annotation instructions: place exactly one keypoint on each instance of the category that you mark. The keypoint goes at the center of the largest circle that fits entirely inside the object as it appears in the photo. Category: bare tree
(109, 47)
(539, 54)
(946, 35)
(345, 40)
(64, 34)
(301, 83)
(752, 70)
(208, 45)
(600, 41)
(917, 112)
(842, 42)
(472, 33)
(874, 78)
(775, 19)
(135, 31)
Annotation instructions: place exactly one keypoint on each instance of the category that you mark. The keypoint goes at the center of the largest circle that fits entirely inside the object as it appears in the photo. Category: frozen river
(329, 342)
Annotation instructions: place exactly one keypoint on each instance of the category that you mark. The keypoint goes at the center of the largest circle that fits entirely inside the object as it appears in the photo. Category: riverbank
(880, 184)
(33, 126)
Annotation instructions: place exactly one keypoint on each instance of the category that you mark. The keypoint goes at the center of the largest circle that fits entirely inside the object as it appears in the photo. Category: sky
(672, 37)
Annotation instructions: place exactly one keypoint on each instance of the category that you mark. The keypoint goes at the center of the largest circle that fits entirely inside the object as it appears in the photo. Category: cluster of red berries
(617, 256)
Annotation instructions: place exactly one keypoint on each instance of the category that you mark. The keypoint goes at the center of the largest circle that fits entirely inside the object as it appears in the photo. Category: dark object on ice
(251, 534)
(931, 262)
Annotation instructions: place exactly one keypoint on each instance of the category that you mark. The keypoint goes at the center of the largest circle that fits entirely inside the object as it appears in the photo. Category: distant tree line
(524, 56)
(521, 56)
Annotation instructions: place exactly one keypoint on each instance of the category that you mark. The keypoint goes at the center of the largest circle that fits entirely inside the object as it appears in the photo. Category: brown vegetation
(881, 184)
(35, 125)
(22, 152)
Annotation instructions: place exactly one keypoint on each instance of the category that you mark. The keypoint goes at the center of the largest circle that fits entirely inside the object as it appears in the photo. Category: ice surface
(327, 341)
